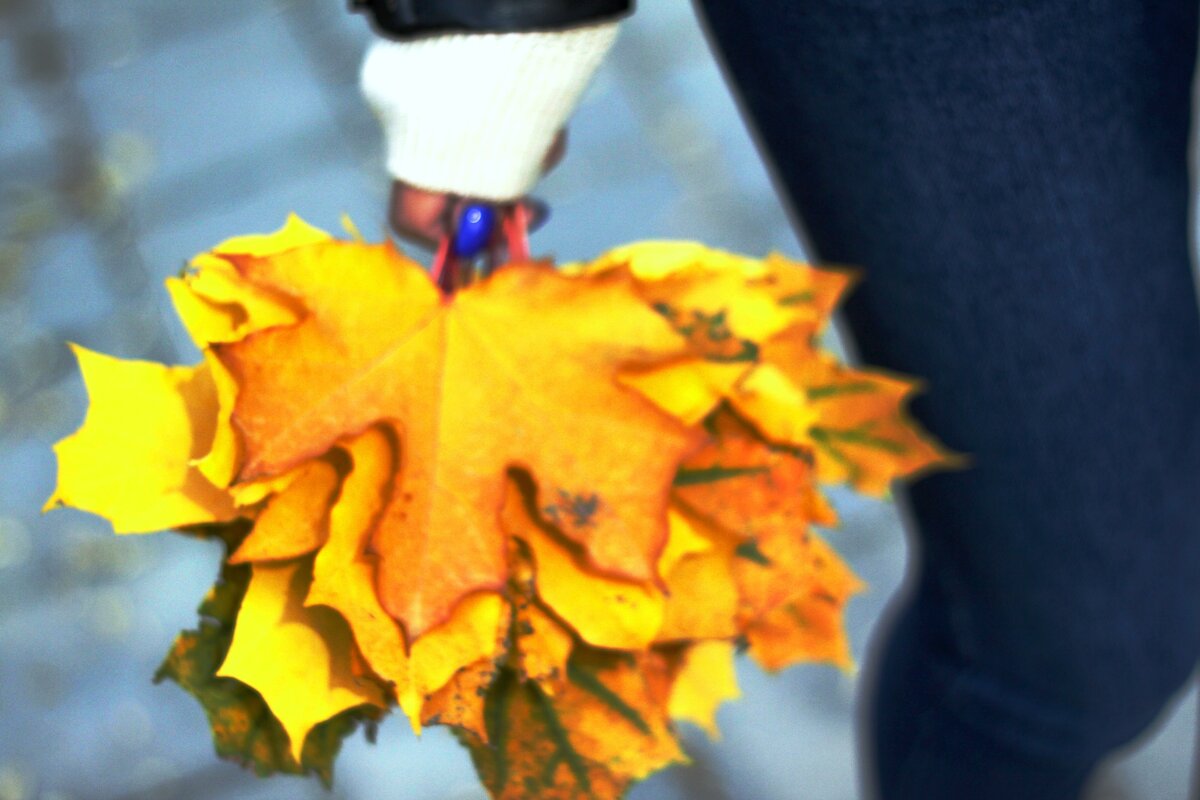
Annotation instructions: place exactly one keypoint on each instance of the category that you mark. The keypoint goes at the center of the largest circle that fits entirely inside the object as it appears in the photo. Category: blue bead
(475, 228)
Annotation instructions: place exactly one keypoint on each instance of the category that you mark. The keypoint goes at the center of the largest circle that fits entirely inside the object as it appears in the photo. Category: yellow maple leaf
(688, 390)
(809, 629)
(705, 679)
(470, 633)
(655, 259)
(702, 599)
(794, 283)
(297, 658)
(131, 460)
(763, 315)
(295, 521)
(219, 462)
(808, 293)
(707, 297)
(727, 306)
(776, 406)
(542, 646)
(215, 305)
(685, 539)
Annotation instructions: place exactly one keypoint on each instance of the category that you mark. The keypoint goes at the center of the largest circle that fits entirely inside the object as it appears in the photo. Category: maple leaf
(539, 646)
(516, 370)
(807, 629)
(244, 729)
(344, 579)
(725, 305)
(604, 728)
(132, 459)
(810, 293)
(706, 297)
(217, 306)
(794, 283)
(703, 681)
(459, 703)
(765, 315)
(857, 422)
(747, 485)
(314, 681)
(295, 520)
(604, 611)
(793, 601)
(702, 598)
(543, 645)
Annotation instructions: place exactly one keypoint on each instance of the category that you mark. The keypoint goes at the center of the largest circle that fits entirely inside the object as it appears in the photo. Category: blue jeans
(1013, 178)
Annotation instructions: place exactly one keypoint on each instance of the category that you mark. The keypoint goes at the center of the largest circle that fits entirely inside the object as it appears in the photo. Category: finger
(537, 212)
(419, 215)
(558, 149)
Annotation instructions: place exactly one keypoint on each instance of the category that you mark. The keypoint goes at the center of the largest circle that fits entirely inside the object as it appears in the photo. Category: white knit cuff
(474, 114)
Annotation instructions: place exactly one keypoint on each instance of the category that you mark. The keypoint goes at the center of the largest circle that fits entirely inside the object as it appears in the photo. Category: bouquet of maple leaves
(544, 510)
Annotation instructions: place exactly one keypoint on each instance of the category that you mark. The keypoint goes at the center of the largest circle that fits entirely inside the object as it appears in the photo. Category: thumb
(420, 215)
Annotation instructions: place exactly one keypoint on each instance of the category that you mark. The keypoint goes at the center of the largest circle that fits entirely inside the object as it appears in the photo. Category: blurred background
(135, 134)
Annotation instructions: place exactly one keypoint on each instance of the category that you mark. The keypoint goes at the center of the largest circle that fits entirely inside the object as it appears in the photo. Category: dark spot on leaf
(749, 551)
(573, 510)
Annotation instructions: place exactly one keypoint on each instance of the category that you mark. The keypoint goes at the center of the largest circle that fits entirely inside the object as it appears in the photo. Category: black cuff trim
(407, 18)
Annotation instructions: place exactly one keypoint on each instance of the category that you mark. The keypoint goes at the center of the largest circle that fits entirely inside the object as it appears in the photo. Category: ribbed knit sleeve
(474, 114)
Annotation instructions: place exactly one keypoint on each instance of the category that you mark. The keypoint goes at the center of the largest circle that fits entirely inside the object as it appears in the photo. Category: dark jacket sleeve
(406, 18)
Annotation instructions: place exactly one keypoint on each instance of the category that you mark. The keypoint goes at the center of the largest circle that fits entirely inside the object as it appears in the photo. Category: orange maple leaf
(810, 628)
(515, 371)
(749, 486)
(861, 430)
(604, 728)
(459, 703)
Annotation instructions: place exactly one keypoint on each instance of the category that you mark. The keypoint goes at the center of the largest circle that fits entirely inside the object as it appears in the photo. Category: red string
(516, 228)
(444, 270)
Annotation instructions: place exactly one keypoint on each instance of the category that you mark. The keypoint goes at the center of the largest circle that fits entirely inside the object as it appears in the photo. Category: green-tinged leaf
(797, 298)
(748, 485)
(836, 389)
(693, 477)
(590, 682)
(244, 730)
(710, 333)
(861, 436)
(602, 729)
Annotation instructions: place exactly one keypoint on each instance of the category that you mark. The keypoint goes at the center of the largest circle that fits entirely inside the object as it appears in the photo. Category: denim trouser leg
(1013, 178)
